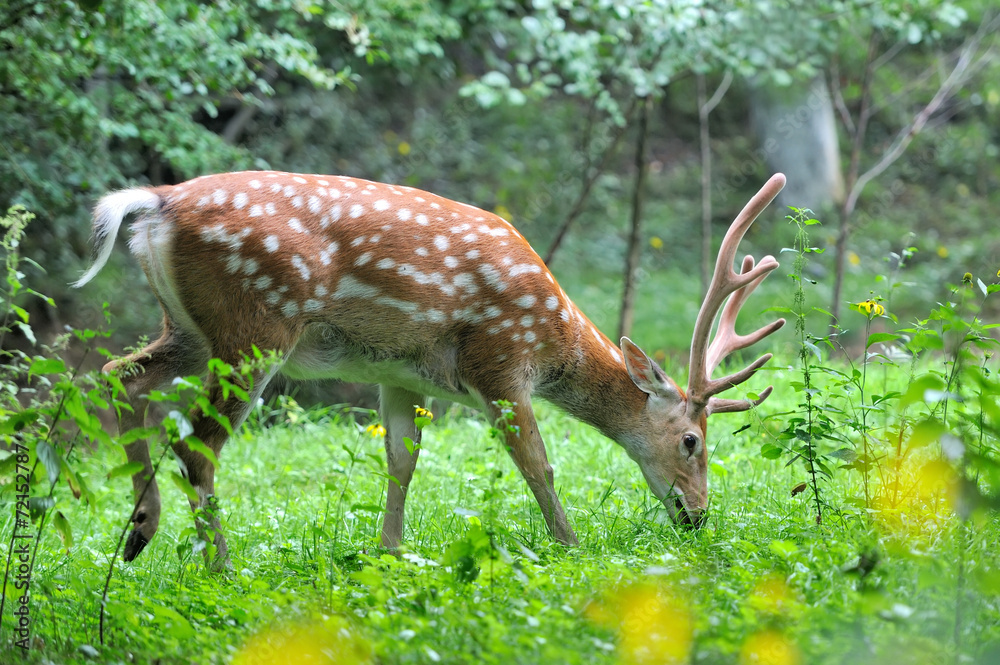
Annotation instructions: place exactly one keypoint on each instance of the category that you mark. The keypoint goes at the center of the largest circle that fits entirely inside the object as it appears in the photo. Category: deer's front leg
(397, 409)
(527, 449)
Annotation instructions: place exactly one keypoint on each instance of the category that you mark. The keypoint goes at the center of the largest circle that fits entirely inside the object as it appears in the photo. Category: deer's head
(672, 453)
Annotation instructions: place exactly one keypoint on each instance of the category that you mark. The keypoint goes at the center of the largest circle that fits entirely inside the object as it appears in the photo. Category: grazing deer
(377, 283)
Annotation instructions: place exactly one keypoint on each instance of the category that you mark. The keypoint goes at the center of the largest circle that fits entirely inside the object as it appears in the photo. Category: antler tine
(727, 340)
(726, 282)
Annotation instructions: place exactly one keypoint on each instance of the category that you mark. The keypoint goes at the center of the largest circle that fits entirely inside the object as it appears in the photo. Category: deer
(368, 282)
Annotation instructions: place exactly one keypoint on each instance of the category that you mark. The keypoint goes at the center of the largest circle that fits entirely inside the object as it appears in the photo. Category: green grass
(301, 502)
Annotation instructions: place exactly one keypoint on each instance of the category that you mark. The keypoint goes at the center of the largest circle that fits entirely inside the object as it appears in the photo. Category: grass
(761, 583)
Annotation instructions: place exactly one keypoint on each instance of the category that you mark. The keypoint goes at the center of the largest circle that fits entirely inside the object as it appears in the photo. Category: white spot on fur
(289, 191)
(312, 305)
(551, 303)
(492, 312)
(240, 200)
(522, 268)
(529, 336)
(255, 184)
(441, 243)
(299, 263)
(470, 237)
(403, 214)
(290, 309)
(385, 264)
(333, 193)
(363, 259)
(326, 254)
(263, 282)
(271, 244)
(335, 212)
(276, 187)
(461, 228)
(381, 205)
(527, 321)
(450, 262)
(525, 301)
(299, 180)
(357, 210)
(321, 291)
(466, 282)
(270, 209)
(297, 201)
(250, 266)
(421, 220)
(350, 287)
(233, 263)
(315, 204)
(272, 298)
(472, 254)
(295, 225)
(219, 196)
(255, 211)
(396, 303)
(421, 251)
(492, 277)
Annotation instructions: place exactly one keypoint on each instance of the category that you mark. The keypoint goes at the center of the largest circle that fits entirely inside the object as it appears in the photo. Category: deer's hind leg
(152, 368)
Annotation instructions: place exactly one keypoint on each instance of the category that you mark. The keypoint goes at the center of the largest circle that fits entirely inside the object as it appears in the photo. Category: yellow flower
(853, 259)
(653, 626)
(656, 242)
(502, 211)
(769, 648)
(421, 412)
(330, 641)
(942, 251)
(870, 308)
(403, 148)
(375, 430)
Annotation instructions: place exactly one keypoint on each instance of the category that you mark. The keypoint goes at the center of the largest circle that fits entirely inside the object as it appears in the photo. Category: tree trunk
(797, 134)
(634, 253)
(706, 186)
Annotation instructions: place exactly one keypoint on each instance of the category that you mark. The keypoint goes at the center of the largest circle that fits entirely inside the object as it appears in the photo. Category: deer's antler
(706, 357)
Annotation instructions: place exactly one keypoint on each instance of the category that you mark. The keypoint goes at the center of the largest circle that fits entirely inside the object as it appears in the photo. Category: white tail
(385, 284)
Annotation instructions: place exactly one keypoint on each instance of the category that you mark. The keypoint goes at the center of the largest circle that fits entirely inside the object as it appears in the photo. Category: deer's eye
(690, 442)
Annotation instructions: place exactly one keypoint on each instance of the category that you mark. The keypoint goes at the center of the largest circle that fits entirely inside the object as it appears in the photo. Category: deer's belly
(327, 352)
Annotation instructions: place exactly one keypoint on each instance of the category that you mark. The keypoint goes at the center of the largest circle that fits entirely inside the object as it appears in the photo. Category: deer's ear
(647, 375)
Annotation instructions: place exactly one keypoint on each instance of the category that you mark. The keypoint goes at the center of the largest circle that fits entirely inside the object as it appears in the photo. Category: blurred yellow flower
(656, 242)
(403, 148)
(942, 251)
(421, 412)
(375, 430)
(769, 647)
(870, 308)
(502, 211)
(853, 259)
(330, 641)
(654, 627)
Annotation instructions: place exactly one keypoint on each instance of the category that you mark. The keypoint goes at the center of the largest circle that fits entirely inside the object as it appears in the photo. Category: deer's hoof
(136, 543)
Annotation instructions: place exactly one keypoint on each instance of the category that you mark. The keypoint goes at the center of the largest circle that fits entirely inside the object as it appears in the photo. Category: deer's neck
(600, 392)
